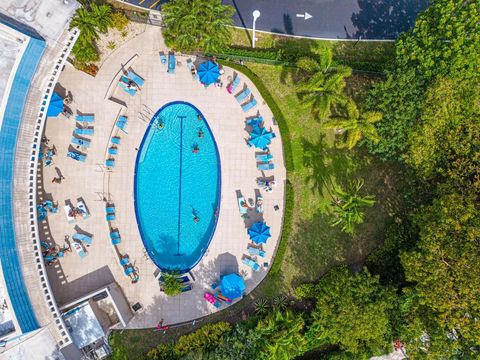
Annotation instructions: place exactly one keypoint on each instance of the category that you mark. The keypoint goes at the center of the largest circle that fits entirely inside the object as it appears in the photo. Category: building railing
(72, 36)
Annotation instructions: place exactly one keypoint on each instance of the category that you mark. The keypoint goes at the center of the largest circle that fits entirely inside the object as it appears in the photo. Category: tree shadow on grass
(327, 165)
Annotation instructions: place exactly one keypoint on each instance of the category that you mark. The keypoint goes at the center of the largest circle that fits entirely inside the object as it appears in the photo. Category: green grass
(309, 245)
(362, 55)
(313, 246)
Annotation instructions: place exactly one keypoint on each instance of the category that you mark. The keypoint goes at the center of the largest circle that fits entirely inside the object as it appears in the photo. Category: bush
(207, 338)
(271, 54)
(162, 352)
(111, 45)
(120, 21)
(85, 51)
(90, 69)
(305, 291)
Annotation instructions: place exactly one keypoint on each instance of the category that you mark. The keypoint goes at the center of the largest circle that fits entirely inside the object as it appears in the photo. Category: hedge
(287, 155)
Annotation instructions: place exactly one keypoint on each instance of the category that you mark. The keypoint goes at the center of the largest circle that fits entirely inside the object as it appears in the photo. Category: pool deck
(72, 276)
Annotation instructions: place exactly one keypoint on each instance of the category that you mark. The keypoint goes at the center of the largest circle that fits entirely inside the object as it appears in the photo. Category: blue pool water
(175, 186)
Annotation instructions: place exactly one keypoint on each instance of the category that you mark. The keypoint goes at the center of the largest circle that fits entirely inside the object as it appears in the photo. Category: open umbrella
(208, 72)
(259, 232)
(56, 105)
(260, 137)
(232, 286)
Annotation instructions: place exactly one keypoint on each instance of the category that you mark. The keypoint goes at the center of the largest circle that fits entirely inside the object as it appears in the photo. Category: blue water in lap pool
(177, 189)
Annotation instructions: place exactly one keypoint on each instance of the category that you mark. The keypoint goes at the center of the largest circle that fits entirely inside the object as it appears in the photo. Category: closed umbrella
(232, 286)
(208, 72)
(259, 232)
(260, 137)
(56, 105)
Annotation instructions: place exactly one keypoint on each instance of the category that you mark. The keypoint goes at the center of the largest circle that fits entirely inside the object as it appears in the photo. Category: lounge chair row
(251, 263)
(121, 124)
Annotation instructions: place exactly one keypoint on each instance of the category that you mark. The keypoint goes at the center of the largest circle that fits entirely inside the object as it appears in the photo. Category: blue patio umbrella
(232, 286)
(208, 72)
(259, 232)
(260, 137)
(56, 105)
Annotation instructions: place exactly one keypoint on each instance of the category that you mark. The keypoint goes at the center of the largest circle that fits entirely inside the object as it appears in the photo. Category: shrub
(305, 291)
(124, 33)
(171, 286)
(207, 338)
(85, 51)
(120, 21)
(162, 352)
(111, 45)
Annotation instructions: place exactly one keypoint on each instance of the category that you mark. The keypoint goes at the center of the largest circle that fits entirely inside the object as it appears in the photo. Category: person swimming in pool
(196, 149)
(196, 219)
(200, 133)
(199, 117)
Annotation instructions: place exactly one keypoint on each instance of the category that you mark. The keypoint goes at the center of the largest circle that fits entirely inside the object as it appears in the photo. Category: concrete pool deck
(72, 276)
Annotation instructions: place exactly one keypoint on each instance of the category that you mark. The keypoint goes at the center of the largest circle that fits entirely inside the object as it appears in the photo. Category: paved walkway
(72, 276)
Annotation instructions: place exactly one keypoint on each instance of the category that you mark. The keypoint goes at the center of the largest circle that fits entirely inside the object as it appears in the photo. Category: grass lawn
(314, 246)
(376, 53)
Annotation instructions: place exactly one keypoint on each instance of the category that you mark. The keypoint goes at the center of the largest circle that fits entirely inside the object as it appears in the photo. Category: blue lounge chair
(265, 166)
(255, 251)
(187, 288)
(129, 270)
(130, 92)
(215, 285)
(76, 156)
(171, 63)
(83, 131)
(83, 238)
(116, 140)
(249, 105)
(110, 163)
(192, 68)
(243, 95)
(85, 118)
(112, 151)
(251, 263)
(135, 78)
(41, 213)
(241, 202)
(121, 123)
(115, 237)
(82, 142)
(110, 217)
(110, 209)
(233, 86)
(124, 261)
(163, 58)
(264, 157)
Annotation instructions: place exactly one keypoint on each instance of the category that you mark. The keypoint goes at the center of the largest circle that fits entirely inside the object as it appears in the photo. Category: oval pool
(177, 189)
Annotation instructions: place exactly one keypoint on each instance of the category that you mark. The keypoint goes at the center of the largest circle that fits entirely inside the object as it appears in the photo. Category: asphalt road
(332, 19)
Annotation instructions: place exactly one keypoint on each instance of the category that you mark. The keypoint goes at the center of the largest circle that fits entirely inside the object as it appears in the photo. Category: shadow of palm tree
(327, 165)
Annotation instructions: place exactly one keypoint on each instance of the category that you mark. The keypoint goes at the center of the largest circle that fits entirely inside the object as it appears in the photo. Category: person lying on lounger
(131, 85)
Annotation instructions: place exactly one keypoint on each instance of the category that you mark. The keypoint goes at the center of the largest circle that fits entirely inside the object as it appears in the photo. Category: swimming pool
(177, 187)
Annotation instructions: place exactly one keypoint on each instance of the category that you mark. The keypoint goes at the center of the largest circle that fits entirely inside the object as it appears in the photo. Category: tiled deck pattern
(72, 276)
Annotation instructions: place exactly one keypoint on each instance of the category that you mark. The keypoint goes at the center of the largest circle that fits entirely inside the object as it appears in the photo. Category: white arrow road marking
(306, 16)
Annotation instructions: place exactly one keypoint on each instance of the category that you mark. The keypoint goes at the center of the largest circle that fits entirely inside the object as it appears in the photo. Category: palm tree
(261, 306)
(102, 16)
(85, 22)
(356, 125)
(347, 206)
(197, 25)
(324, 85)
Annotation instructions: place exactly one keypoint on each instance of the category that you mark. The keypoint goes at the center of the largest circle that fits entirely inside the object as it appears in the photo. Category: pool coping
(219, 194)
